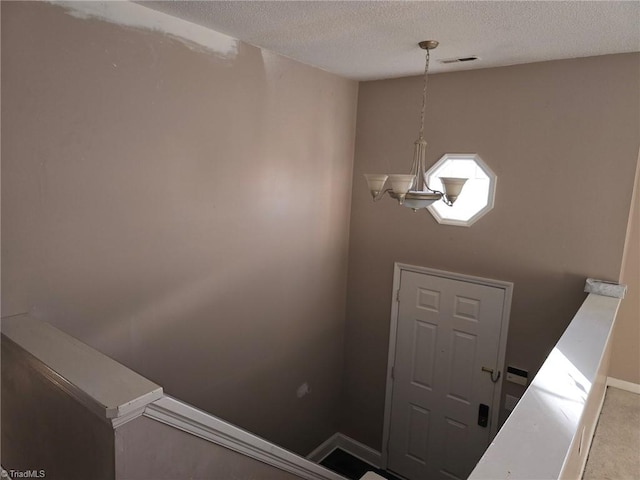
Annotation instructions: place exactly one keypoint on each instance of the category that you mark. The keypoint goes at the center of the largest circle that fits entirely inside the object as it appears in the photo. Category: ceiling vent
(470, 58)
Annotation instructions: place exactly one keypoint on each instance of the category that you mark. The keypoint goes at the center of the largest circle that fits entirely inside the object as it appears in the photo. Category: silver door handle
(490, 372)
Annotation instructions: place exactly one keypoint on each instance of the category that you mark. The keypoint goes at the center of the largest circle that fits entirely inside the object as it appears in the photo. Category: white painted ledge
(107, 388)
(548, 429)
(189, 419)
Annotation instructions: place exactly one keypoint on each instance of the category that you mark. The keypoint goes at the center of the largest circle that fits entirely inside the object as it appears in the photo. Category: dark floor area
(351, 467)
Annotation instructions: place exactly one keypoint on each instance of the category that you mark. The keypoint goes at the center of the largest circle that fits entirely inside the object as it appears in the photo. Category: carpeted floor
(615, 451)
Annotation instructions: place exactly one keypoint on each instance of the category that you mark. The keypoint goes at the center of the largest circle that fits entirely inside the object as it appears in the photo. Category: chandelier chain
(424, 96)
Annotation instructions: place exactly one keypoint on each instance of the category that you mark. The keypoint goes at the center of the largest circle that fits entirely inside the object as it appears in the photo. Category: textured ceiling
(378, 39)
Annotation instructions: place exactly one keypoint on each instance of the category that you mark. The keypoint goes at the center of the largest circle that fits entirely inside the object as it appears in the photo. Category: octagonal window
(476, 198)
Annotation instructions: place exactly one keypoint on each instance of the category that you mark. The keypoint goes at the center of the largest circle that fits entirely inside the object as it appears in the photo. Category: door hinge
(393, 372)
(398, 295)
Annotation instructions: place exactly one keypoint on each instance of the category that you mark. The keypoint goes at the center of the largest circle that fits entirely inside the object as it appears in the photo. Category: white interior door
(447, 331)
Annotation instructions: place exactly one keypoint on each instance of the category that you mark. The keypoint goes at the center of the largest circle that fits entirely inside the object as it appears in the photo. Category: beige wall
(147, 449)
(46, 429)
(562, 138)
(625, 356)
(185, 213)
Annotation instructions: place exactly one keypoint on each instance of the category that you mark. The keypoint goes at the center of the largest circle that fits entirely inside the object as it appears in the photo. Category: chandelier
(412, 190)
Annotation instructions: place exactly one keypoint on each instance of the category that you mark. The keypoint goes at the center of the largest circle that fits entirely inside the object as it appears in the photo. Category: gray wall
(562, 138)
(183, 212)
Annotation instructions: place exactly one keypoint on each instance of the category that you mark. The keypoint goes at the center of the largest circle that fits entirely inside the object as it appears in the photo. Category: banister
(548, 434)
(107, 388)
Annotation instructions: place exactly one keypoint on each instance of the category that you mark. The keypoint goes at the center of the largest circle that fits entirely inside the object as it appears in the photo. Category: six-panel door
(447, 331)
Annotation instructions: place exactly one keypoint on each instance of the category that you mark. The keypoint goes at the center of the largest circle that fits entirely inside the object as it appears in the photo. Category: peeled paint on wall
(130, 14)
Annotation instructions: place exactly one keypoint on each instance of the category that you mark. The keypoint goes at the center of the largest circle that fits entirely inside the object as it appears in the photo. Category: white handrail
(187, 418)
(549, 432)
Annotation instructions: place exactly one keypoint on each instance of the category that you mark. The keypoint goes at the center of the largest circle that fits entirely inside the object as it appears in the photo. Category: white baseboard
(324, 449)
(623, 385)
(360, 450)
(349, 445)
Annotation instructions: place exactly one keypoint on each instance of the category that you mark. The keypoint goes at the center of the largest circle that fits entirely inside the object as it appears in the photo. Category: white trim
(623, 385)
(323, 450)
(349, 445)
(119, 421)
(359, 450)
(502, 347)
(393, 333)
(491, 194)
(189, 419)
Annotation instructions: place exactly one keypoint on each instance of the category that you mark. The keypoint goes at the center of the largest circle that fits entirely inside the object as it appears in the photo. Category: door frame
(398, 268)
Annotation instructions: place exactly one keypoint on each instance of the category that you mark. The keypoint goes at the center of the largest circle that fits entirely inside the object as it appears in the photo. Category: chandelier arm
(424, 176)
(444, 196)
(381, 194)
